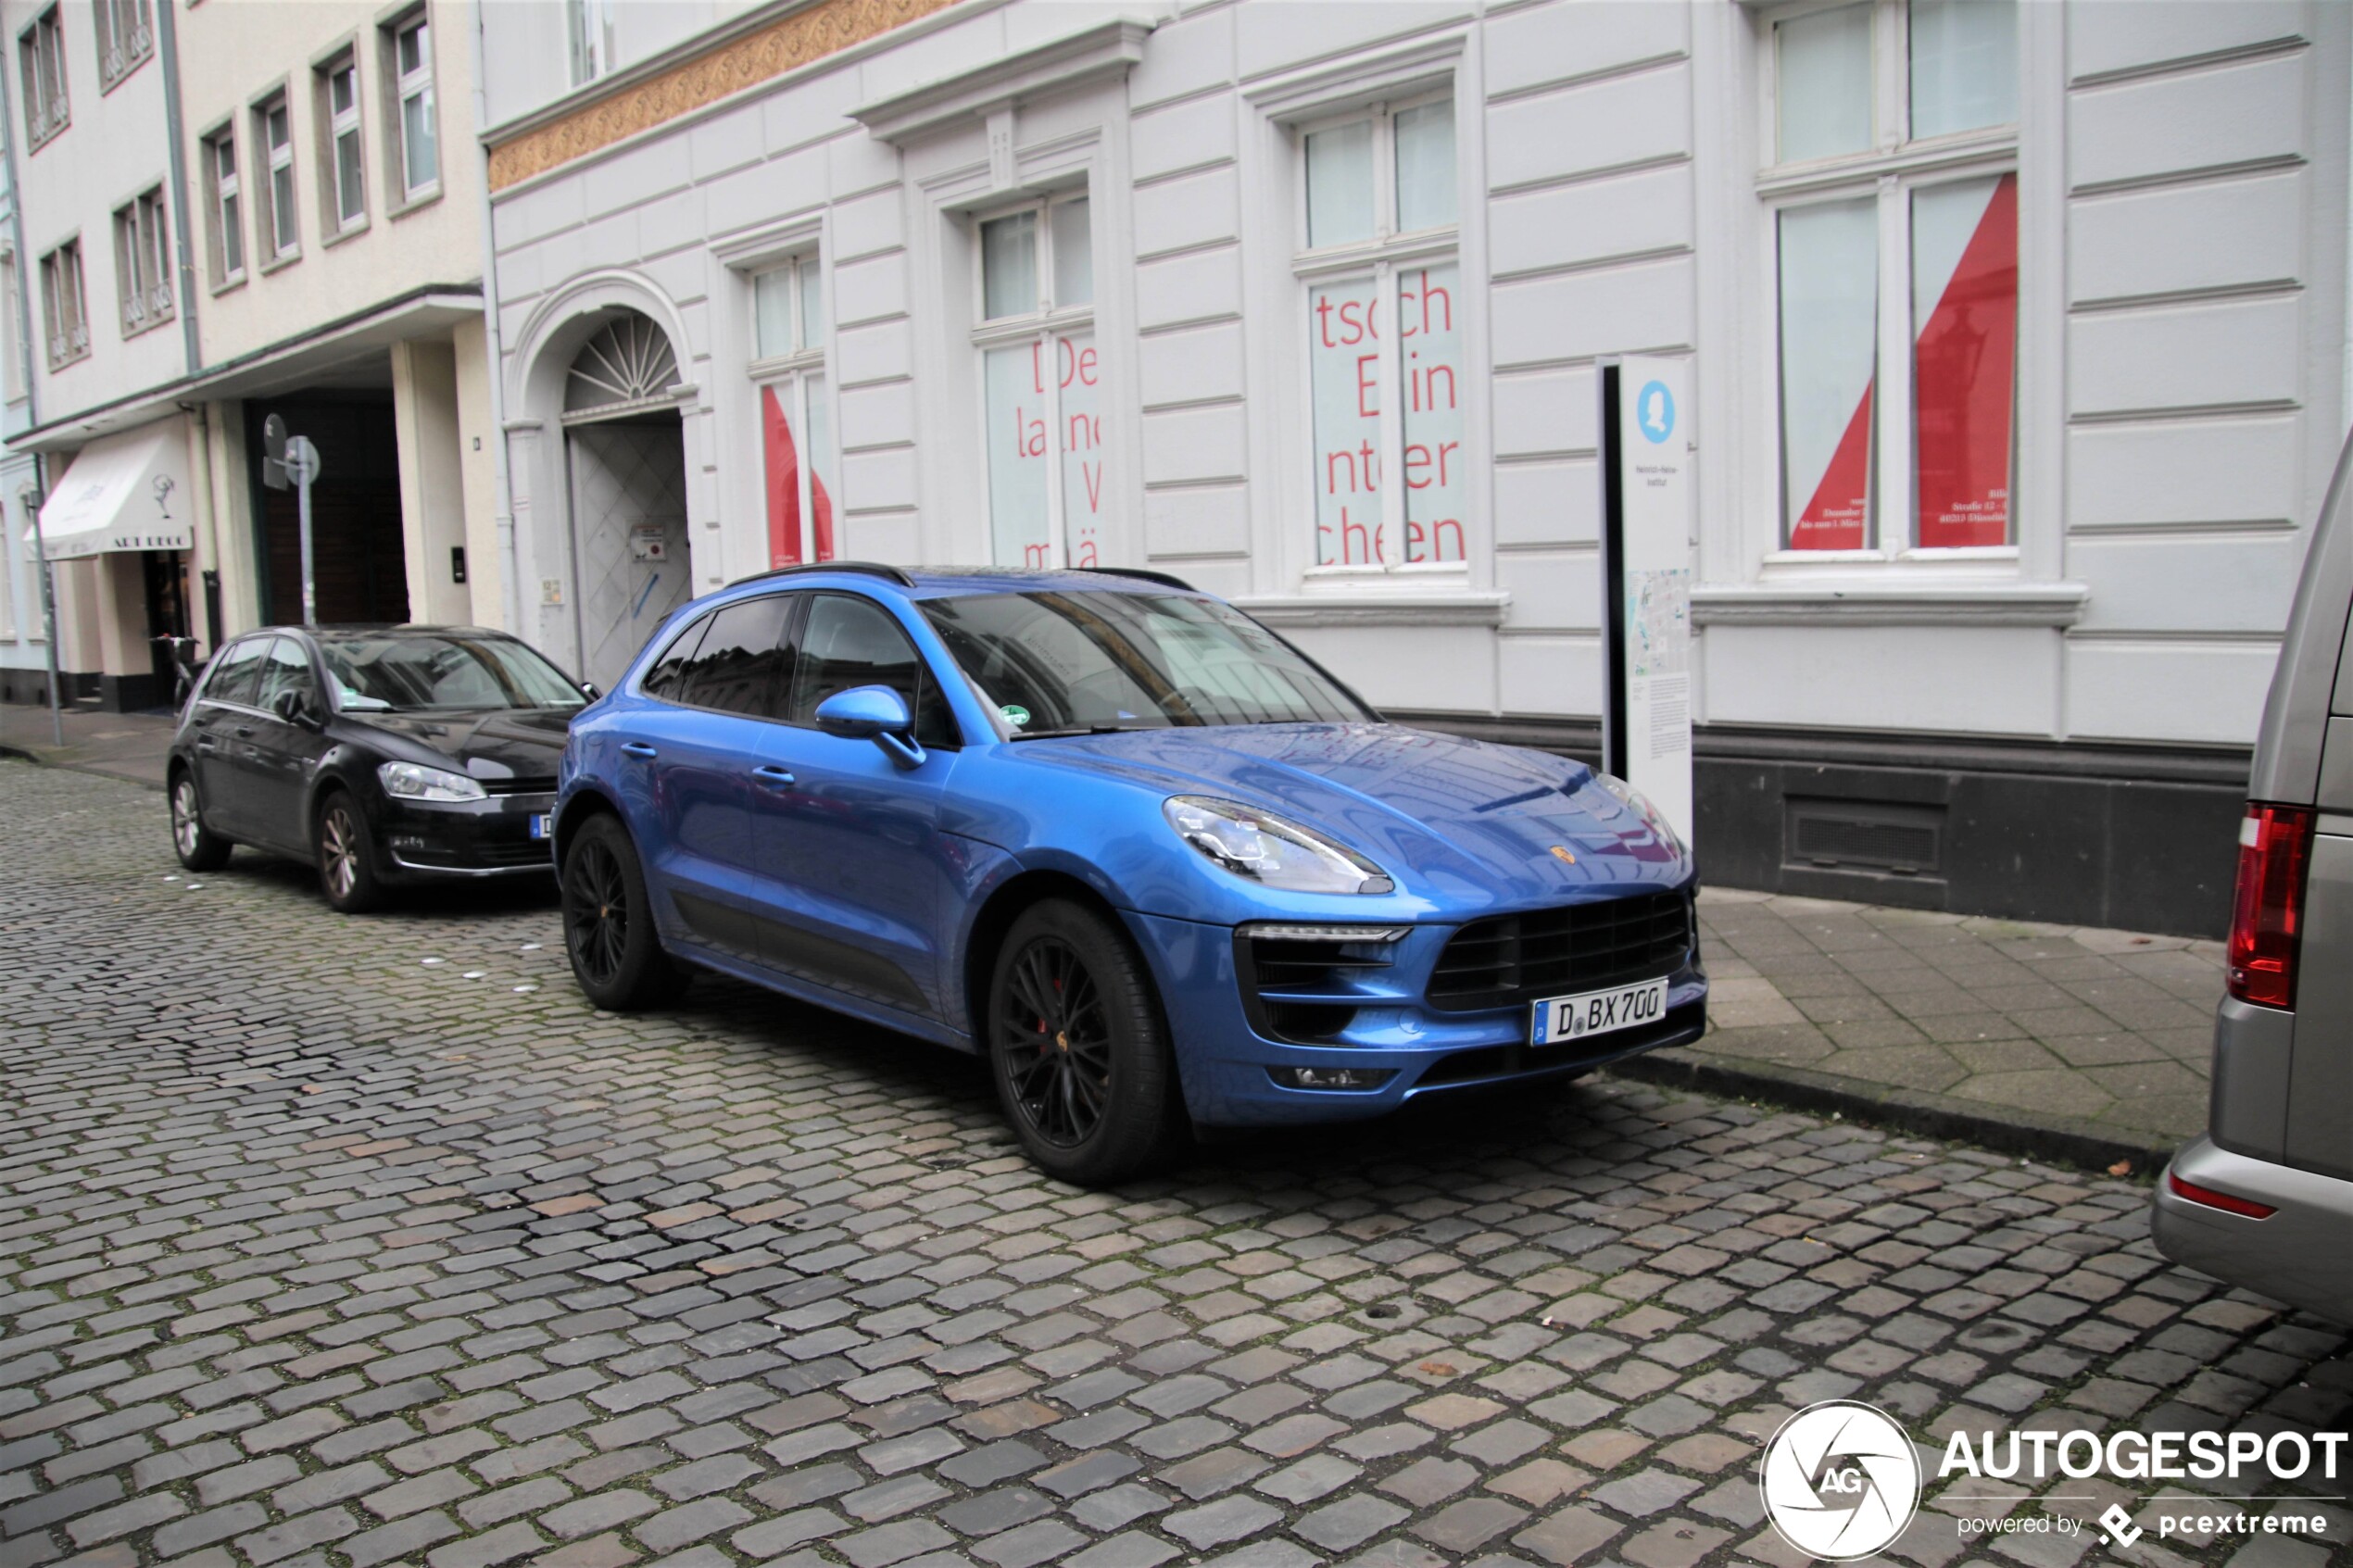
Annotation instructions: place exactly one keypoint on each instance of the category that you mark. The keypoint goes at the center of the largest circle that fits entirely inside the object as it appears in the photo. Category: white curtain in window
(1082, 446)
(1019, 445)
(1343, 356)
(1964, 65)
(1824, 84)
(1339, 184)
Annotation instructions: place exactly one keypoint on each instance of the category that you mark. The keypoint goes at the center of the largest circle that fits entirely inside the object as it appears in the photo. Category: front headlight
(1636, 801)
(407, 781)
(1270, 850)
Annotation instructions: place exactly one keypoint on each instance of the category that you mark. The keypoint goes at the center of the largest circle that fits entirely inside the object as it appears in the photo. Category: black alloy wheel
(609, 931)
(199, 849)
(1078, 1048)
(1056, 1040)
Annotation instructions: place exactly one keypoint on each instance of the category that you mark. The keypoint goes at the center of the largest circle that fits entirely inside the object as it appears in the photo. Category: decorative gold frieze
(792, 41)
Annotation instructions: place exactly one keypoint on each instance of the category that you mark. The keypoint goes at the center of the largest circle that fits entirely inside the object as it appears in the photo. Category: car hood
(487, 745)
(1449, 817)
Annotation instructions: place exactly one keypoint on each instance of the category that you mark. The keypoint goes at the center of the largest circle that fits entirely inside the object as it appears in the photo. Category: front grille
(1507, 960)
(1302, 991)
(518, 786)
(488, 854)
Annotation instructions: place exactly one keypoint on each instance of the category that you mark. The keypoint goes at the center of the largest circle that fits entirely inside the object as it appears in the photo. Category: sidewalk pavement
(120, 746)
(2064, 1043)
(2076, 1044)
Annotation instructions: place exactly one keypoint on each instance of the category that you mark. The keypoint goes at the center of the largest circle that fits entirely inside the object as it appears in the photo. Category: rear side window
(661, 681)
(851, 642)
(237, 673)
(744, 664)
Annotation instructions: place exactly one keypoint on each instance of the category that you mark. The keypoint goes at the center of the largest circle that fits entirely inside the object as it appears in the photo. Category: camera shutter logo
(1840, 1480)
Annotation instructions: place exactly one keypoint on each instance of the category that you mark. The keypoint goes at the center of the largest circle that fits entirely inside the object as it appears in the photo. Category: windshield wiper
(1086, 729)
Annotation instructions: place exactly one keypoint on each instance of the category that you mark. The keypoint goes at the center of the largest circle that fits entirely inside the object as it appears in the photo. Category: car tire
(346, 855)
(616, 954)
(199, 849)
(1079, 1049)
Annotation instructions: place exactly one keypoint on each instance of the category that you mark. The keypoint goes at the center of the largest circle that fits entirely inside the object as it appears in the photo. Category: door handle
(774, 777)
(637, 748)
(245, 732)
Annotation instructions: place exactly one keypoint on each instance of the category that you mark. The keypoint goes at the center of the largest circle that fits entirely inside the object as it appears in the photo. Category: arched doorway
(626, 465)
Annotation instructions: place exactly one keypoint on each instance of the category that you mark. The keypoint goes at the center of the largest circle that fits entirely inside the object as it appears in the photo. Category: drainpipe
(35, 494)
(167, 45)
(510, 590)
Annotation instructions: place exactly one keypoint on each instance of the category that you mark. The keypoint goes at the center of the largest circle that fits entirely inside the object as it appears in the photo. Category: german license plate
(539, 824)
(1600, 1012)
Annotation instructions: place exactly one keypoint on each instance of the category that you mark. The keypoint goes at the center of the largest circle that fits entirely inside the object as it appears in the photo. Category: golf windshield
(403, 672)
(1066, 664)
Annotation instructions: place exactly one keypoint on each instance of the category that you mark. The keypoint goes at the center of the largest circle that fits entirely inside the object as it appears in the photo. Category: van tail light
(2246, 1207)
(2267, 908)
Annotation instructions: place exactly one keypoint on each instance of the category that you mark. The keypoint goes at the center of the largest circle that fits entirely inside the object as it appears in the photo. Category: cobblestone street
(347, 1242)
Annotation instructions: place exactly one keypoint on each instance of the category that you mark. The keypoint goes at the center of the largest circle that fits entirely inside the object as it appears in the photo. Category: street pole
(302, 467)
(33, 496)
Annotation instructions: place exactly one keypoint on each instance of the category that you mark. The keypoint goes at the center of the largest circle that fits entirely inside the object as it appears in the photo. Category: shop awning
(126, 492)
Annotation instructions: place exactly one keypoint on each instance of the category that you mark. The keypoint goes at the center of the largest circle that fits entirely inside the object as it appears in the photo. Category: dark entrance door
(355, 512)
(166, 574)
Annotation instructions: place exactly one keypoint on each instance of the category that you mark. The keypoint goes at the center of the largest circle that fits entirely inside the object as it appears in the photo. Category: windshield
(1063, 663)
(408, 673)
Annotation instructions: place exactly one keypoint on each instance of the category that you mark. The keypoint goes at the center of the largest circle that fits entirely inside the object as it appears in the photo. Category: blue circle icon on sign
(1654, 412)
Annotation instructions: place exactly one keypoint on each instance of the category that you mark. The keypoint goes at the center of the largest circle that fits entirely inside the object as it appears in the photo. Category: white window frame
(126, 37)
(1889, 171)
(143, 263)
(334, 126)
(407, 87)
(1045, 326)
(791, 374)
(48, 108)
(589, 35)
(277, 157)
(1381, 258)
(225, 194)
(65, 302)
(12, 377)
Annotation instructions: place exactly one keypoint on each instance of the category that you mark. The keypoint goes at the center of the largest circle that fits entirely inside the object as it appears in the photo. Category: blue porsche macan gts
(1161, 868)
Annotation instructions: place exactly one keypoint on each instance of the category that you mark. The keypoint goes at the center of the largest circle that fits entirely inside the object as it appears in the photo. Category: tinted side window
(237, 673)
(286, 669)
(852, 643)
(744, 664)
(661, 681)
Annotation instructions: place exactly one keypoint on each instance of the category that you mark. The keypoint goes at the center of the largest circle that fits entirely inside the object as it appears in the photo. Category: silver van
(2265, 1199)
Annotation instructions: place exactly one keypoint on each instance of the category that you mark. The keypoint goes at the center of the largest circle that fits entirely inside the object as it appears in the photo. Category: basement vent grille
(1865, 836)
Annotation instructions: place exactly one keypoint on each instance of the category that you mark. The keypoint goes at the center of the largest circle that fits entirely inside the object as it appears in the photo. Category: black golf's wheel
(199, 849)
(1079, 1053)
(346, 856)
(616, 954)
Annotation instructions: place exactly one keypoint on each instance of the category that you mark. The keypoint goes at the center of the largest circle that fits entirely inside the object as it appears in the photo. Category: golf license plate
(539, 824)
(1600, 1012)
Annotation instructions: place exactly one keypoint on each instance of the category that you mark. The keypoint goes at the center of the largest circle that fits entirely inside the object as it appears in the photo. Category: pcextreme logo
(1841, 1480)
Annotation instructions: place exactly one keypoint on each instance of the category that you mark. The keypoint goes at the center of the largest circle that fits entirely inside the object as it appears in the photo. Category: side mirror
(875, 713)
(293, 708)
(588, 689)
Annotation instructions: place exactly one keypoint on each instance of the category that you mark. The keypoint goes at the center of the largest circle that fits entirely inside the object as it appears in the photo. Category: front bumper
(420, 841)
(2302, 1255)
(1228, 1065)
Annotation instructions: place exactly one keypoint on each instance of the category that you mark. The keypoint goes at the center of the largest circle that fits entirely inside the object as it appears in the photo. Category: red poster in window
(1834, 519)
(783, 485)
(1963, 386)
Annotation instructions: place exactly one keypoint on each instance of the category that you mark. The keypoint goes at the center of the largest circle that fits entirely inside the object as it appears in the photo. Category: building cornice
(751, 50)
(1993, 604)
(1474, 607)
(1104, 52)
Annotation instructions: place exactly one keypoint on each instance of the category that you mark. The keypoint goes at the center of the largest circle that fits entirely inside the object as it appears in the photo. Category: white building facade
(2017, 341)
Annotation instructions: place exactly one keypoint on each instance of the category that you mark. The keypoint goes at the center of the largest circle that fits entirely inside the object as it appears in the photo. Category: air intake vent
(1507, 960)
(1863, 835)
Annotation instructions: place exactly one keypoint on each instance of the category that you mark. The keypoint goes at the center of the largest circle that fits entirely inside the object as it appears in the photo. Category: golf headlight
(1269, 850)
(1635, 800)
(407, 781)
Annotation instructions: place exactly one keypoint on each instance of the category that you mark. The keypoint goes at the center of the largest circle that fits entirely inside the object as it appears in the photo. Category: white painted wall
(2183, 233)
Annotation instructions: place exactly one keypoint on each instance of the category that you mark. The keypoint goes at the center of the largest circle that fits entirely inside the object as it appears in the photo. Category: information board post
(1647, 552)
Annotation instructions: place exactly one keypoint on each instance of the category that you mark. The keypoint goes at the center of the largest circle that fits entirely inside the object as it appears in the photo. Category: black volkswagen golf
(382, 755)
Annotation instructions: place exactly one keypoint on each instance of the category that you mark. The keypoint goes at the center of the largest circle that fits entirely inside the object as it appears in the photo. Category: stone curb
(40, 759)
(2053, 1139)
